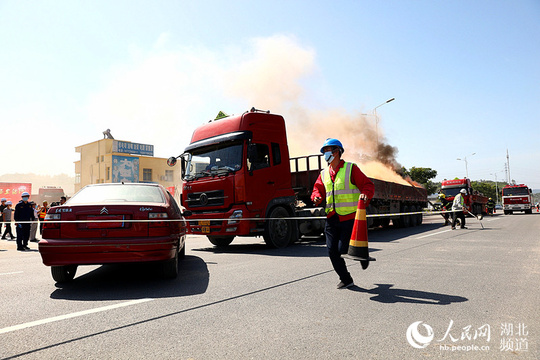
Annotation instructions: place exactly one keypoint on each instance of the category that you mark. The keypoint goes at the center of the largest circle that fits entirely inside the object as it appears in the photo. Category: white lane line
(437, 233)
(72, 315)
(11, 273)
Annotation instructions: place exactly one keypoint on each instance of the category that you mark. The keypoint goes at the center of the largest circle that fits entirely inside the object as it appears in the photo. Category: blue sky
(465, 76)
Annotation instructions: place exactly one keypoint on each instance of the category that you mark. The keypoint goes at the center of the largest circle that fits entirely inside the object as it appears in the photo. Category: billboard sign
(12, 191)
(125, 168)
(132, 148)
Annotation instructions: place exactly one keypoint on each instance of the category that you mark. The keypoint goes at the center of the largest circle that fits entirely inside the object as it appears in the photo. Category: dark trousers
(23, 234)
(8, 231)
(461, 216)
(338, 235)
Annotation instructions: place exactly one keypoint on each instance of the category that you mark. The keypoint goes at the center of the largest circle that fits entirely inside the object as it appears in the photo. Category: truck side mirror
(171, 161)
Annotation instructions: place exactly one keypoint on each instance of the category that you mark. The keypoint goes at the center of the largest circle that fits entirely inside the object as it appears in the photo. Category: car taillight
(51, 221)
(155, 219)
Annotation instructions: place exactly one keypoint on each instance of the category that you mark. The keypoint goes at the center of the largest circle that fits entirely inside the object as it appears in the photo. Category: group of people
(457, 207)
(26, 215)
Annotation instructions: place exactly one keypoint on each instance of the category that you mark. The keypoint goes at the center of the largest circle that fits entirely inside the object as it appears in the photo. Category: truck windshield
(521, 191)
(219, 159)
(451, 192)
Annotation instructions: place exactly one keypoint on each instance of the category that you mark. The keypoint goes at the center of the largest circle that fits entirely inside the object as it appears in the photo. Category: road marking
(437, 233)
(72, 315)
(11, 273)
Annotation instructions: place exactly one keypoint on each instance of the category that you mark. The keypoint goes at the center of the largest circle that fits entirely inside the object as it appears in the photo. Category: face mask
(25, 198)
(328, 157)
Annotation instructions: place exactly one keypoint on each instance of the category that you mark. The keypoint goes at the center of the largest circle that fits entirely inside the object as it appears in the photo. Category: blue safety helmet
(332, 142)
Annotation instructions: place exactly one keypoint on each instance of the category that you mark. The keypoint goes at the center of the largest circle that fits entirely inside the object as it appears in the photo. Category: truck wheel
(169, 268)
(63, 273)
(406, 219)
(221, 241)
(278, 232)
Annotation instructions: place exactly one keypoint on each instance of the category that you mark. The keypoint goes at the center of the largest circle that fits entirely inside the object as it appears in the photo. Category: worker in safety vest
(458, 206)
(342, 184)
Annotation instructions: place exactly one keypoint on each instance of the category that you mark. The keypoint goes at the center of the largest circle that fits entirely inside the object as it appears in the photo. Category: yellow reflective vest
(341, 195)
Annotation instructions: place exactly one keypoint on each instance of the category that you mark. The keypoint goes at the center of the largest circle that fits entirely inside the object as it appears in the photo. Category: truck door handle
(270, 183)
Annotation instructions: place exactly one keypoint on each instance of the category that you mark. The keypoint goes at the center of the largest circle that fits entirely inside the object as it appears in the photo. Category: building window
(102, 158)
(147, 174)
(169, 175)
(97, 159)
(77, 178)
(108, 172)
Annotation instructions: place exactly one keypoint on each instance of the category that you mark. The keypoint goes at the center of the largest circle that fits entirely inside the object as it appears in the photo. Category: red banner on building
(12, 191)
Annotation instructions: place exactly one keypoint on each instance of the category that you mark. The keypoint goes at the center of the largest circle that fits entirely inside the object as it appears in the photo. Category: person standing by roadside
(2, 207)
(458, 206)
(341, 184)
(23, 213)
(34, 225)
(7, 219)
(41, 215)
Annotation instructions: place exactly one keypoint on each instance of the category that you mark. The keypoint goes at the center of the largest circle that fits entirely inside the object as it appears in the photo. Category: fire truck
(238, 180)
(517, 198)
(475, 201)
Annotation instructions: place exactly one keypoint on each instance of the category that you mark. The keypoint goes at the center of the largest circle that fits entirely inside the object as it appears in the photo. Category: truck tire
(416, 218)
(64, 273)
(221, 241)
(406, 219)
(278, 233)
(419, 217)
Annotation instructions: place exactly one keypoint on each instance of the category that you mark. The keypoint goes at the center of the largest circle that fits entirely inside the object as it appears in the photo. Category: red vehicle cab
(114, 223)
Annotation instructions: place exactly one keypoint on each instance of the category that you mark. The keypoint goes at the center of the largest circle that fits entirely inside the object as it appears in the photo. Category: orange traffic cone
(358, 246)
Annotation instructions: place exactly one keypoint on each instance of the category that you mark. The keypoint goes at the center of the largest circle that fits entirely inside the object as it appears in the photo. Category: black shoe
(34, 240)
(21, 249)
(464, 227)
(26, 248)
(453, 228)
(343, 285)
(4, 238)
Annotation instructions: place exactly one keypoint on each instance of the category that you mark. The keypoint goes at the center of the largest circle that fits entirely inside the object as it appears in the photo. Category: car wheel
(278, 232)
(169, 267)
(63, 273)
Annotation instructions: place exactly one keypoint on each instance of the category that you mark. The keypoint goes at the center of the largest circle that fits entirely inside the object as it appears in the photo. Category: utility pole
(508, 162)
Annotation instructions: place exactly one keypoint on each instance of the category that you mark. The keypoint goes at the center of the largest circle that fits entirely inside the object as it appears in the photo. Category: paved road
(474, 291)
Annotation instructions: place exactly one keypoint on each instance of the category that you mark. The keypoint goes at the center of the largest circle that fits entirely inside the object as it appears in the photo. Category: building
(110, 161)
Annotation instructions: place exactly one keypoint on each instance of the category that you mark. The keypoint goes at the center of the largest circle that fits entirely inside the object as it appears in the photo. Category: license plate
(107, 224)
(205, 229)
(204, 222)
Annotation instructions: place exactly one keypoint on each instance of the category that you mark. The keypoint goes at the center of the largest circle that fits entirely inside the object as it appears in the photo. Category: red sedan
(114, 223)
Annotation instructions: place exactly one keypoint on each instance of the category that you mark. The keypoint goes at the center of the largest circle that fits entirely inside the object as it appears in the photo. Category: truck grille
(208, 198)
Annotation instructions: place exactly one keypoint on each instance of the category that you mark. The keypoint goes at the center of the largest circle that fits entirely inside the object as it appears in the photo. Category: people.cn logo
(416, 339)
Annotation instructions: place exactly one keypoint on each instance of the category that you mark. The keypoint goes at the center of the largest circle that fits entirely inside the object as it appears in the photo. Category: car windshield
(117, 193)
(219, 159)
(520, 191)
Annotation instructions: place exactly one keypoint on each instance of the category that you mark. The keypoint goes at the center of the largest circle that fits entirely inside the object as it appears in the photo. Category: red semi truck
(238, 180)
(517, 198)
(475, 201)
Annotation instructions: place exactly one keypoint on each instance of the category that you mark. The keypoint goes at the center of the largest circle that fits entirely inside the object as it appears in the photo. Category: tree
(423, 176)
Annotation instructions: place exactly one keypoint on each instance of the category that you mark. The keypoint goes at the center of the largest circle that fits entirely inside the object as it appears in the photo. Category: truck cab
(474, 201)
(517, 198)
(238, 167)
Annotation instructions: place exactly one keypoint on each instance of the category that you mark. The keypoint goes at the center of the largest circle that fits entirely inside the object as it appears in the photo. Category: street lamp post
(374, 111)
(466, 167)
